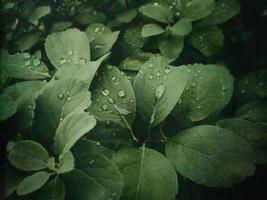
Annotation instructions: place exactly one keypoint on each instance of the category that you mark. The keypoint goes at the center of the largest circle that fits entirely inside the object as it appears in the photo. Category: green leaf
(66, 163)
(251, 132)
(57, 101)
(95, 176)
(27, 155)
(24, 66)
(112, 88)
(32, 183)
(27, 41)
(157, 12)
(157, 73)
(61, 26)
(196, 9)
(146, 171)
(207, 92)
(127, 16)
(208, 40)
(207, 155)
(182, 27)
(101, 39)
(151, 30)
(223, 11)
(53, 190)
(39, 12)
(71, 45)
(71, 129)
(252, 87)
(24, 93)
(254, 112)
(84, 72)
(88, 15)
(171, 46)
(8, 107)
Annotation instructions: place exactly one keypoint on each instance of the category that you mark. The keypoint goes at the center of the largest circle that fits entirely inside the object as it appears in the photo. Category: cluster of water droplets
(71, 58)
(30, 61)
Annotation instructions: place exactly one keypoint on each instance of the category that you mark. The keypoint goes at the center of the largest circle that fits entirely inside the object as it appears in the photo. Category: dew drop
(82, 61)
(159, 92)
(69, 53)
(156, 3)
(27, 63)
(105, 92)
(188, 70)
(98, 143)
(96, 29)
(167, 70)
(121, 93)
(223, 88)
(62, 60)
(108, 122)
(113, 78)
(193, 84)
(109, 67)
(91, 162)
(26, 55)
(36, 62)
(111, 100)
(60, 96)
(104, 107)
(150, 77)
(158, 74)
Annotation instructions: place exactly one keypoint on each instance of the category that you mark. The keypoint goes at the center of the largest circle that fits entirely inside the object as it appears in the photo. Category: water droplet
(188, 70)
(199, 107)
(180, 101)
(26, 55)
(156, 3)
(223, 88)
(159, 92)
(167, 70)
(109, 67)
(62, 60)
(97, 100)
(36, 62)
(30, 106)
(177, 14)
(82, 61)
(150, 65)
(243, 91)
(60, 119)
(193, 84)
(91, 162)
(27, 63)
(150, 77)
(60, 96)
(131, 101)
(113, 78)
(69, 53)
(96, 29)
(158, 74)
(111, 100)
(121, 93)
(104, 107)
(98, 143)
(108, 122)
(68, 98)
(105, 92)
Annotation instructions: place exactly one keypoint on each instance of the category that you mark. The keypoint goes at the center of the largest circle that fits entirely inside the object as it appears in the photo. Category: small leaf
(196, 9)
(251, 132)
(207, 155)
(28, 40)
(127, 16)
(157, 12)
(112, 88)
(62, 48)
(207, 92)
(66, 163)
(71, 129)
(207, 40)
(146, 171)
(182, 27)
(88, 15)
(8, 107)
(151, 30)
(171, 46)
(157, 74)
(39, 12)
(24, 66)
(28, 156)
(53, 190)
(32, 183)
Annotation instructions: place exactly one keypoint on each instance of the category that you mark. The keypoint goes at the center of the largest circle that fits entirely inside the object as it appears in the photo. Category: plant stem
(129, 128)
(163, 137)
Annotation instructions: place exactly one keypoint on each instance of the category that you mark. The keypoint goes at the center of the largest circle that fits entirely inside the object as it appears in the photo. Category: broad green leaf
(182, 27)
(24, 93)
(208, 40)
(255, 112)
(27, 41)
(127, 16)
(146, 171)
(135, 61)
(56, 102)
(88, 15)
(39, 12)
(32, 183)
(27, 155)
(196, 9)
(151, 30)
(211, 155)
(171, 46)
(71, 45)
(109, 89)
(112, 136)
(61, 26)
(223, 11)
(95, 176)
(157, 12)
(8, 107)
(156, 74)
(66, 163)
(71, 129)
(251, 132)
(252, 87)
(24, 66)
(207, 92)
(53, 190)
(84, 72)
(101, 39)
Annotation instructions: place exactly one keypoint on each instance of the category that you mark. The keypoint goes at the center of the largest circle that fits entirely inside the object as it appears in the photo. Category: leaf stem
(129, 128)
(163, 136)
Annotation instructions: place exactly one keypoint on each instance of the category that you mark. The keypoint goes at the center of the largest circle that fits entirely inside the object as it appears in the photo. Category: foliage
(105, 101)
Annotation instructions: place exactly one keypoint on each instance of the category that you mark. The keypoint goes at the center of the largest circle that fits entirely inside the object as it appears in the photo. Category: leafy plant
(102, 105)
